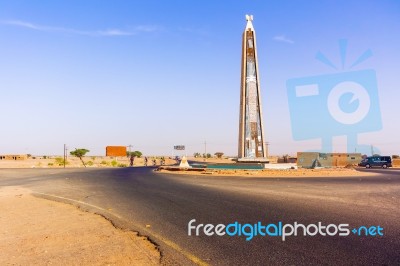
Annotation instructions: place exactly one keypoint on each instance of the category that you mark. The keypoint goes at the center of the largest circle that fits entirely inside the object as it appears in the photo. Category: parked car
(376, 161)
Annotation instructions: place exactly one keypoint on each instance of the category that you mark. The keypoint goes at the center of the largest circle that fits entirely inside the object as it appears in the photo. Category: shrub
(122, 165)
(114, 163)
(50, 164)
(103, 162)
(90, 163)
(60, 161)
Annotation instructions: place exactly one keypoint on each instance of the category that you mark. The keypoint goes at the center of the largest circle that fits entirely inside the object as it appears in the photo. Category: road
(161, 206)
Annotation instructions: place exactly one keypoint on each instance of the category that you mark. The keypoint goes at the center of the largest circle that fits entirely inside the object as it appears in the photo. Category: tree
(219, 154)
(196, 154)
(137, 154)
(79, 153)
(134, 154)
(206, 155)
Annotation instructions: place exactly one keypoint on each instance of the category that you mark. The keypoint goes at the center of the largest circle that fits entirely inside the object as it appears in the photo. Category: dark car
(376, 161)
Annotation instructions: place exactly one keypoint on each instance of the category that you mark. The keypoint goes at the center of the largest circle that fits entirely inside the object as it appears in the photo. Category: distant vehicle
(376, 161)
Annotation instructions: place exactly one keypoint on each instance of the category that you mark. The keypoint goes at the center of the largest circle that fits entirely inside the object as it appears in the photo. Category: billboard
(116, 151)
(179, 147)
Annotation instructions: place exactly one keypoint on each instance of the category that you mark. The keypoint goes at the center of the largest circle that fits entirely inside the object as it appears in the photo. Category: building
(14, 157)
(317, 159)
(251, 132)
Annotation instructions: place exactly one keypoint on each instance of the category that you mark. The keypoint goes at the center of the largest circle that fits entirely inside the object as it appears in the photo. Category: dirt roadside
(35, 231)
(270, 173)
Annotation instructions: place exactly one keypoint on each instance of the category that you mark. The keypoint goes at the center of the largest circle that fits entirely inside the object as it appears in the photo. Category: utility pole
(205, 150)
(372, 150)
(65, 153)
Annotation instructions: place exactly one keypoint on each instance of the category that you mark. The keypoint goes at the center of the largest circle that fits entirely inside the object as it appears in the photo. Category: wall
(13, 157)
(306, 159)
(396, 162)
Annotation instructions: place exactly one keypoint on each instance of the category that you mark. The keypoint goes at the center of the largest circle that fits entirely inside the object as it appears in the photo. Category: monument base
(237, 166)
(184, 163)
(253, 160)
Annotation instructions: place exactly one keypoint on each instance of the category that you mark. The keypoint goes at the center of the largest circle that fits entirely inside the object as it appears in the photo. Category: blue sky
(155, 74)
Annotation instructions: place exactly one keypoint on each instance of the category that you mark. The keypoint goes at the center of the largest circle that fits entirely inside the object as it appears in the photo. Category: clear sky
(155, 74)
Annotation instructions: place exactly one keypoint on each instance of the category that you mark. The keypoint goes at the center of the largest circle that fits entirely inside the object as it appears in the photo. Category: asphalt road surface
(161, 206)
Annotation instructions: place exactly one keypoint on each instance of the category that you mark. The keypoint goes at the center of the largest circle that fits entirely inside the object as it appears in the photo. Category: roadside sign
(179, 147)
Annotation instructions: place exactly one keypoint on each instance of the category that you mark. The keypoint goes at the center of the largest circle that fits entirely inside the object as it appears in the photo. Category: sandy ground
(334, 172)
(301, 172)
(35, 231)
(73, 162)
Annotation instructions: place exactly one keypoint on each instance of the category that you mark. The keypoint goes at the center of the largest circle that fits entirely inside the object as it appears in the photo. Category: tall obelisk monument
(251, 130)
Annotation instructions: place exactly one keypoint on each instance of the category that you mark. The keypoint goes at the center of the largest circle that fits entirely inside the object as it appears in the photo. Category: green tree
(134, 154)
(206, 155)
(80, 153)
(219, 154)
